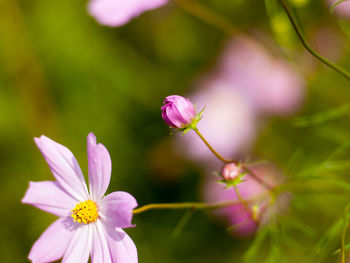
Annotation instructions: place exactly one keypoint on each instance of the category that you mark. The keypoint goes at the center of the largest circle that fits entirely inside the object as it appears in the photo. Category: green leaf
(182, 223)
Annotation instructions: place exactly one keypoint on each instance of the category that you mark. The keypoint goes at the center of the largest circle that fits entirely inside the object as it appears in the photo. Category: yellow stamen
(85, 212)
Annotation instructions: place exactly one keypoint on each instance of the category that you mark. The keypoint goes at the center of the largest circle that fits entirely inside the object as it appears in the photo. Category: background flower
(247, 86)
(120, 12)
(270, 84)
(235, 217)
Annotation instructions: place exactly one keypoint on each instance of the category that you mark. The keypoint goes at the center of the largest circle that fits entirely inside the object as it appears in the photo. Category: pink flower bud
(230, 171)
(178, 112)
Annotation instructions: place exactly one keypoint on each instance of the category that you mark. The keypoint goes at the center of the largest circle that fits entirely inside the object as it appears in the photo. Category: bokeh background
(64, 75)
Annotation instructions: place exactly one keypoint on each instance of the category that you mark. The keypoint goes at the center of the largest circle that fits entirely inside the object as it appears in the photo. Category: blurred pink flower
(256, 195)
(270, 84)
(119, 12)
(178, 112)
(228, 123)
(342, 9)
(88, 223)
(248, 83)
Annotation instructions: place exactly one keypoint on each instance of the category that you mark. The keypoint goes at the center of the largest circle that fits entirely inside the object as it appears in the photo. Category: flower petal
(80, 245)
(118, 13)
(116, 209)
(53, 242)
(50, 197)
(100, 250)
(121, 247)
(64, 167)
(100, 167)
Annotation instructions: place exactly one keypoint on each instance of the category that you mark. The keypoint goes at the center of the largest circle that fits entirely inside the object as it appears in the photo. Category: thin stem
(208, 16)
(212, 149)
(188, 205)
(307, 45)
(244, 203)
(224, 160)
(343, 241)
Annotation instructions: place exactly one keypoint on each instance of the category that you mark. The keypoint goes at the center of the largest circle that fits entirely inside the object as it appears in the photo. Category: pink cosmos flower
(178, 112)
(119, 12)
(89, 223)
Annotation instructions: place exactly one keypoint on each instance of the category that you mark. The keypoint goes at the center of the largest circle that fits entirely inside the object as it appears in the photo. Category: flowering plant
(88, 223)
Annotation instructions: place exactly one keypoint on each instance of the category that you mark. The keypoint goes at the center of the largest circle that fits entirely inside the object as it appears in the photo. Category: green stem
(212, 149)
(188, 205)
(224, 160)
(343, 241)
(307, 45)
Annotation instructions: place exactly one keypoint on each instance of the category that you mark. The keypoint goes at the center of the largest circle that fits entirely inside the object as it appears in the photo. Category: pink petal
(100, 167)
(119, 12)
(116, 209)
(121, 247)
(64, 167)
(50, 197)
(53, 242)
(100, 249)
(80, 245)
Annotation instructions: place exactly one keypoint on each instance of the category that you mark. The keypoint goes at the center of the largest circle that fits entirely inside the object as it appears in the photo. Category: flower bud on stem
(227, 161)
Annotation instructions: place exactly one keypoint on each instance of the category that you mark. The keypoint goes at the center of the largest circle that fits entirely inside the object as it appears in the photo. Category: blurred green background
(64, 75)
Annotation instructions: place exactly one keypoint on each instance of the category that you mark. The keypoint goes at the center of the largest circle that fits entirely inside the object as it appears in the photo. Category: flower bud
(264, 206)
(230, 172)
(178, 112)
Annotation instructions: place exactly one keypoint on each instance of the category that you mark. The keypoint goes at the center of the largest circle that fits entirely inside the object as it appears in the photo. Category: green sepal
(232, 183)
(193, 124)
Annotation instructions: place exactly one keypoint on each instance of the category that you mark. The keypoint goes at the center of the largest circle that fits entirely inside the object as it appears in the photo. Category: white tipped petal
(100, 167)
(64, 167)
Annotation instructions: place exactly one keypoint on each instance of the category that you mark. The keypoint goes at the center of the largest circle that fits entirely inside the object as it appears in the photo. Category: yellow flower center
(85, 212)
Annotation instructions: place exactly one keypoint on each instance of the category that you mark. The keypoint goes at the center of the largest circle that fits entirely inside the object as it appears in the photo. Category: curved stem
(224, 160)
(307, 45)
(188, 205)
(212, 149)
